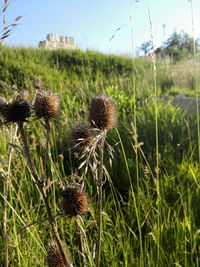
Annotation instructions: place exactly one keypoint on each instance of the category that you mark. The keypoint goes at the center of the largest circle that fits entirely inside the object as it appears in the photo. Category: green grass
(127, 199)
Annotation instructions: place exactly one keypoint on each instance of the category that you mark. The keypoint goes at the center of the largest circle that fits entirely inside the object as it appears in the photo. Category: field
(151, 198)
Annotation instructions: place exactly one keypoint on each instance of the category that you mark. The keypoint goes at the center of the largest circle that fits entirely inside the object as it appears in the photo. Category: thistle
(102, 113)
(25, 95)
(38, 83)
(46, 105)
(54, 257)
(16, 111)
(81, 136)
(74, 201)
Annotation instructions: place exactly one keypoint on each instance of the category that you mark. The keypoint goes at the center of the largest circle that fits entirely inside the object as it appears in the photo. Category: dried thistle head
(81, 136)
(54, 257)
(46, 105)
(102, 113)
(16, 111)
(25, 95)
(38, 83)
(74, 201)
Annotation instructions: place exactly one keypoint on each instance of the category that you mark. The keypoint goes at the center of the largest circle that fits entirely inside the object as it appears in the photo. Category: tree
(178, 46)
(146, 47)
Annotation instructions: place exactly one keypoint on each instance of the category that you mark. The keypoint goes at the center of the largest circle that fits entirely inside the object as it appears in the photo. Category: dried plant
(17, 112)
(54, 257)
(38, 83)
(46, 105)
(82, 136)
(74, 201)
(102, 114)
(7, 28)
(102, 117)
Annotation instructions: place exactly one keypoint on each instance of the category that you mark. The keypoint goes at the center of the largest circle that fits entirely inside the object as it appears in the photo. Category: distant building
(56, 41)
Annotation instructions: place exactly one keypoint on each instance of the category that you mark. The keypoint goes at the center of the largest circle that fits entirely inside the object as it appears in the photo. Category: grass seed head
(54, 257)
(46, 105)
(81, 136)
(74, 201)
(17, 111)
(102, 113)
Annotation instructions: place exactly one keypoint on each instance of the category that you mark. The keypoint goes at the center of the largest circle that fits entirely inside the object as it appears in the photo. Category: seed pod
(46, 105)
(102, 113)
(54, 257)
(17, 111)
(38, 83)
(74, 201)
(25, 95)
(81, 136)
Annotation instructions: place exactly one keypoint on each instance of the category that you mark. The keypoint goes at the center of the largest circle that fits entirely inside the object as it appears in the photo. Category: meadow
(151, 198)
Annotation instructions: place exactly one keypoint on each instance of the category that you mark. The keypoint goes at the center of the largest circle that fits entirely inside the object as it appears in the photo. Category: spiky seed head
(46, 105)
(81, 136)
(102, 113)
(16, 111)
(74, 201)
(54, 257)
(25, 95)
(38, 83)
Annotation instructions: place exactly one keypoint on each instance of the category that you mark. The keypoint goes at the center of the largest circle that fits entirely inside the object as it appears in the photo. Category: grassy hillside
(151, 195)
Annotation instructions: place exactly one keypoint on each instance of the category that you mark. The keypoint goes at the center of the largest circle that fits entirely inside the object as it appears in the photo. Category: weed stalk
(40, 185)
(5, 193)
(99, 187)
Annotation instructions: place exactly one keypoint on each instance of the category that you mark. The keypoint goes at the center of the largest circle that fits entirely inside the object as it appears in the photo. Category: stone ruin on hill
(56, 41)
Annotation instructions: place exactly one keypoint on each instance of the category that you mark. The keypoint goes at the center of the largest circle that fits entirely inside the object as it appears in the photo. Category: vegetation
(145, 221)
(177, 47)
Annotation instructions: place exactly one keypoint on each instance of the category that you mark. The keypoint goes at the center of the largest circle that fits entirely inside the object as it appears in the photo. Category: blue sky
(93, 22)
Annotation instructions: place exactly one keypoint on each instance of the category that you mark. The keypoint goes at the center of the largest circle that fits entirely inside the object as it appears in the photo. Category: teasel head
(46, 105)
(54, 257)
(25, 95)
(82, 136)
(74, 201)
(38, 83)
(102, 113)
(16, 111)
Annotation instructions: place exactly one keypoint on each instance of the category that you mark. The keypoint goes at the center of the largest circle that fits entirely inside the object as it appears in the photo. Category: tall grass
(130, 195)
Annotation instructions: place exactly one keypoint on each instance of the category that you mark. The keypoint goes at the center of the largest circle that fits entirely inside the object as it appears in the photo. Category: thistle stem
(47, 128)
(40, 185)
(5, 193)
(99, 187)
(79, 237)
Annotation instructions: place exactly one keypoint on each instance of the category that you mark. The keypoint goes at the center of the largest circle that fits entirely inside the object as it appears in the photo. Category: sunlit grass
(130, 195)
